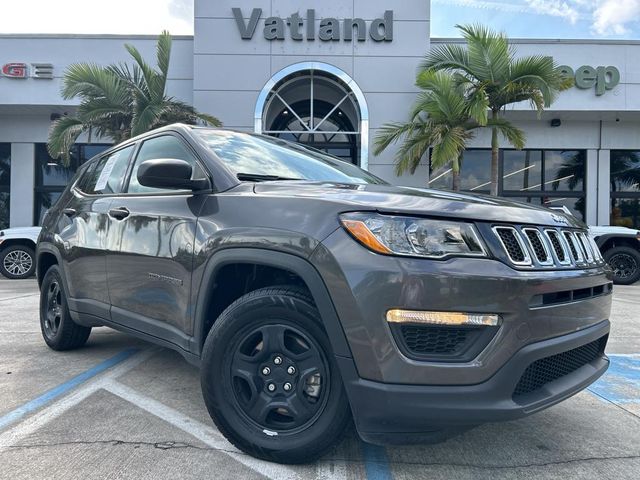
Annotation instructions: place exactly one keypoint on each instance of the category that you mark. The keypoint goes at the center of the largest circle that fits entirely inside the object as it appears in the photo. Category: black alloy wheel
(625, 263)
(277, 374)
(59, 330)
(270, 380)
(53, 314)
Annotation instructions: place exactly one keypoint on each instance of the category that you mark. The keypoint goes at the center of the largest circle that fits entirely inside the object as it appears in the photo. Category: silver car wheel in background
(18, 262)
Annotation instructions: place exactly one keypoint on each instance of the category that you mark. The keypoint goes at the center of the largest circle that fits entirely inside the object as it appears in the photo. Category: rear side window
(166, 146)
(108, 173)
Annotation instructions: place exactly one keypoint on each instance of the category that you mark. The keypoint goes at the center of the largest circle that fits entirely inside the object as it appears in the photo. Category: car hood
(22, 232)
(419, 201)
(612, 230)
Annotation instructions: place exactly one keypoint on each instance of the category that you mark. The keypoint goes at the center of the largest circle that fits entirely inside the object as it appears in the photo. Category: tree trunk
(494, 156)
(455, 173)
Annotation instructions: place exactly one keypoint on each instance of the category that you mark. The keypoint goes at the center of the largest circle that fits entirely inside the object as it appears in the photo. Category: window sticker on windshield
(106, 173)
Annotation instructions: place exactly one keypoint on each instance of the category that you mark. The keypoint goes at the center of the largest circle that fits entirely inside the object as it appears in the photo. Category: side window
(166, 146)
(107, 175)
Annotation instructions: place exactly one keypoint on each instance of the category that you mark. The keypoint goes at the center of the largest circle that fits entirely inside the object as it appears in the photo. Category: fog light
(443, 318)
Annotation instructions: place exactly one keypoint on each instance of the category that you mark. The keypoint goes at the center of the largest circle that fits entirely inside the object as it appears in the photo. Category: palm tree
(487, 66)
(444, 118)
(120, 101)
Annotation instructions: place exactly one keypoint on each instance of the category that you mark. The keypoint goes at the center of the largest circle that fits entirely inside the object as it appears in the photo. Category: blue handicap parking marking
(62, 389)
(621, 383)
(376, 462)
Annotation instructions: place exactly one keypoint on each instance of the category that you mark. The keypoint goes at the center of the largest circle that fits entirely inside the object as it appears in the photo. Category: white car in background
(17, 251)
(620, 247)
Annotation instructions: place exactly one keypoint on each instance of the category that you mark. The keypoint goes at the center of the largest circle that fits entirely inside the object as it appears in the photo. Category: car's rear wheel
(59, 331)
(625, 263)
(17, 262)
(269, 379)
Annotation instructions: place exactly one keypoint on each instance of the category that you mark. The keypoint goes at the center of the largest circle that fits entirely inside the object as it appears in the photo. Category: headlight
(413, 237)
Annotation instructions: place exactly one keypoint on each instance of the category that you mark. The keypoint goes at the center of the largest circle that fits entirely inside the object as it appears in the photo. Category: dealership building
(330, 74)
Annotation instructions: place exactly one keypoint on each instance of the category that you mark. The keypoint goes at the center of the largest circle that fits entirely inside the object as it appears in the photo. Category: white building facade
(330, 74)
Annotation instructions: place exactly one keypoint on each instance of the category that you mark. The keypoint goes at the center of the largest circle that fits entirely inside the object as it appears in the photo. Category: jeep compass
(311, 293)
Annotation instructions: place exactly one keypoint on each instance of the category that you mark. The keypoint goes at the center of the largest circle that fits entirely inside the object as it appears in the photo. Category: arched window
(317, 105)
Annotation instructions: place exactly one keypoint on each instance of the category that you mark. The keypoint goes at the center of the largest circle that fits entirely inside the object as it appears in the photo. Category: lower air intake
(557, 366)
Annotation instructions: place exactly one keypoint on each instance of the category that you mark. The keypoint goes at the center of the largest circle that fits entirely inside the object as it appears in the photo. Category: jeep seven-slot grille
(554, 238)
(527, 246)
(535, 241)
(572, 246)
(548, 369)
(511, 244)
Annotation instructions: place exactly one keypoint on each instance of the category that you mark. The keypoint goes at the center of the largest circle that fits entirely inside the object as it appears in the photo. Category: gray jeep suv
(311, 292)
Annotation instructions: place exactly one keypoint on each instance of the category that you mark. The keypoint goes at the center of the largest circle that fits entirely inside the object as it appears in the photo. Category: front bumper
(364, 286)
(396, 414)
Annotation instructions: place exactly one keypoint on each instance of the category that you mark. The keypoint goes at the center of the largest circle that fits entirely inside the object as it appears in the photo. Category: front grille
(512, 244)
(434, 340)
(557, 366)
(534, 247)
(535, 242)
(572, 246)
(585, 247)
(554, 238)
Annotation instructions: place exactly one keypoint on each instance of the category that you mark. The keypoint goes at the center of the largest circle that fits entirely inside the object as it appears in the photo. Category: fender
(85, 319)
(294, 264)
(602, 239)
(48, 248)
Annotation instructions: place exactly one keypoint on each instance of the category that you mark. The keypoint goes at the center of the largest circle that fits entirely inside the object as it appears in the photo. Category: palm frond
(63, 134)
(448, 57)
(510, 132)
(392, 133)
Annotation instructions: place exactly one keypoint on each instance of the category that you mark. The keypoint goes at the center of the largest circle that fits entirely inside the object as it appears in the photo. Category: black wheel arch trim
(47, 248)
(297, 265)
(602, 239)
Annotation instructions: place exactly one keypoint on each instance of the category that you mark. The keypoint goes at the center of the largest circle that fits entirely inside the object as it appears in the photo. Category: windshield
(261, 158)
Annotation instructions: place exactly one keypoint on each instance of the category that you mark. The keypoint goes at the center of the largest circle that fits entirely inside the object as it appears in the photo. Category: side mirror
(169, 173)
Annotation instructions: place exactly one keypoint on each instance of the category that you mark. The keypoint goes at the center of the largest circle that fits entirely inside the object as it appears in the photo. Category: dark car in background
(311, 292)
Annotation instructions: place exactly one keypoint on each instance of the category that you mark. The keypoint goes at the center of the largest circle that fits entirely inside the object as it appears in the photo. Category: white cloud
(569, 10)
(97, 16)
(605, 17)
(613, 16)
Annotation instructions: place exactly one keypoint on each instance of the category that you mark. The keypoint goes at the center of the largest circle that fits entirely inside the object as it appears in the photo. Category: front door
(151, 249)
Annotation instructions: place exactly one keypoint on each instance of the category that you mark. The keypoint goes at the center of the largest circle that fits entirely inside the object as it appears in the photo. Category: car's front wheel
(625, 263)
(59, 330)
(17, 262)
(269, 379)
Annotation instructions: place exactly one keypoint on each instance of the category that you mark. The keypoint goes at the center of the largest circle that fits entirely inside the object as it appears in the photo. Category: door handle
(119, 213)
(69, 212)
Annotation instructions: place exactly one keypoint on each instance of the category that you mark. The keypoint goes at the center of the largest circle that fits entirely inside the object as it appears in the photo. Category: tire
(59, 331)
(17, 262)
(278, 328)
(625, 263)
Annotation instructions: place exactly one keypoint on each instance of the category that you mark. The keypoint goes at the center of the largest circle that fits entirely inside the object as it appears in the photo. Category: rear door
(151, 248)
(83, 230)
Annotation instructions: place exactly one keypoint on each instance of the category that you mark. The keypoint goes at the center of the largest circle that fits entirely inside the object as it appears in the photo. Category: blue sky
(541, 18)
(518, 18)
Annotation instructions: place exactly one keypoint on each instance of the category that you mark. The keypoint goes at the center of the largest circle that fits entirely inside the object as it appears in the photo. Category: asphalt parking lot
(122, 408)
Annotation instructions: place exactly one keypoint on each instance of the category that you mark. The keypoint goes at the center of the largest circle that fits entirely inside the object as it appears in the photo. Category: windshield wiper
(256, 177)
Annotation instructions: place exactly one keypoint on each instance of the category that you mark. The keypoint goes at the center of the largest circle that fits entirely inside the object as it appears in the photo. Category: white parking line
(206, 434)
(44, 416)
